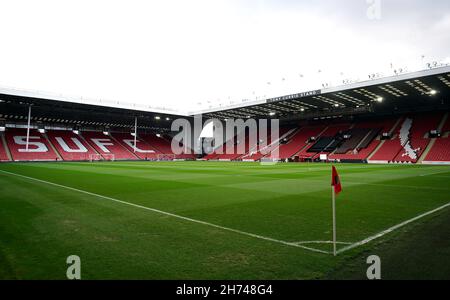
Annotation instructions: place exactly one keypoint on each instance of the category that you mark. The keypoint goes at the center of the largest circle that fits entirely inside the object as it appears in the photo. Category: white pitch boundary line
(170, 214)
(435, 173)
(321, 242)
(391, 229)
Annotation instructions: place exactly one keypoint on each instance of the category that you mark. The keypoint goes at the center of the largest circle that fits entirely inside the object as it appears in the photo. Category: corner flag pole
(333, 200)
(336, 188)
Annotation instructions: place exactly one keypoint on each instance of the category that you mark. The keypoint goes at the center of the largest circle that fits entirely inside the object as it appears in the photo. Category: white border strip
(171, 214)
(389, 230)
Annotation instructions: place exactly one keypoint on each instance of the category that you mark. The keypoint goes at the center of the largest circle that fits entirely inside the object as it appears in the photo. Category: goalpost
(101, 157)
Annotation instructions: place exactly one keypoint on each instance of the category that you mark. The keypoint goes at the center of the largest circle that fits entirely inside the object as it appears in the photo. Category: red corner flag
(336, 181)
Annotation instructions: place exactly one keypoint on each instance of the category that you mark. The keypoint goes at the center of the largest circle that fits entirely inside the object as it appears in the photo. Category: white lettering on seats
(131, 144)
(66, 148)
(22, 140)
(101, 143)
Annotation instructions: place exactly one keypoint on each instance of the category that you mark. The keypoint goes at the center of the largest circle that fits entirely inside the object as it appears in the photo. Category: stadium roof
(424, 90)
(57, 110)
(418, 89)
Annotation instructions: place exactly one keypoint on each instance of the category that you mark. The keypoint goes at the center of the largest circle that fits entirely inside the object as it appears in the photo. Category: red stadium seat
(39, 148)
(163, 146)
(385, 125)
(3, 155)
(70, 146)
(440, 152)
(107, 145)
(299, 141)
(143, 149)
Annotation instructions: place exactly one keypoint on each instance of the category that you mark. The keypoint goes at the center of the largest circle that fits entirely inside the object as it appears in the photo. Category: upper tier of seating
(39, 148)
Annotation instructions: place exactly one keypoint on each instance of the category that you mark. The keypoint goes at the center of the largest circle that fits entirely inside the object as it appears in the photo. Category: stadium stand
(410, 139)
(70, 146)
(417, 138)
(356, 136)
(143, 149)
(256, 154)
(158, 143)
(163, 147)
(299, 141)
(3, 154)
(107, 145)
(369, 143)
(326, 141)
(446, 128)
(440, 151)
(230, 150)
(39, 147)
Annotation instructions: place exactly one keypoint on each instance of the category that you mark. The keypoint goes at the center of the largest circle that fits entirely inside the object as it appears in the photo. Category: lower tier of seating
(408, 141)
(71, 146)
(440, 152)
(3, 153)
(39, 148)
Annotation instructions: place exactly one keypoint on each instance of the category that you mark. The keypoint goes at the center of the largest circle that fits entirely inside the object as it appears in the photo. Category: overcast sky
(194, 54)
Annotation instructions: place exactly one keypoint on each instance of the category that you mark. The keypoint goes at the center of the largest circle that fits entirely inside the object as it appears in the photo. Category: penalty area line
(171, 214)
(391, 229)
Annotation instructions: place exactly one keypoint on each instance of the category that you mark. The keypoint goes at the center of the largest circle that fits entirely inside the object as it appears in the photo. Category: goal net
(101, 157)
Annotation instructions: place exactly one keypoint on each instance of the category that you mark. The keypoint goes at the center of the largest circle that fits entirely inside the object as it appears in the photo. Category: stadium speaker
(385, 136)
(434, 134)
(41, 127)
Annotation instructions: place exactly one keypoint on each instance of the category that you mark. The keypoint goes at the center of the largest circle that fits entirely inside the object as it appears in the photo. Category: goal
(165, 157)
(100, 157)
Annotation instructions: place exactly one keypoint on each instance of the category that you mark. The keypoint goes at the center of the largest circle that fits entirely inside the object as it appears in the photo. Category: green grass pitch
(218, 220)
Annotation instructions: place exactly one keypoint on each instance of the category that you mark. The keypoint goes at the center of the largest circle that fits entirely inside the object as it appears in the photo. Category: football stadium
(318, 184)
